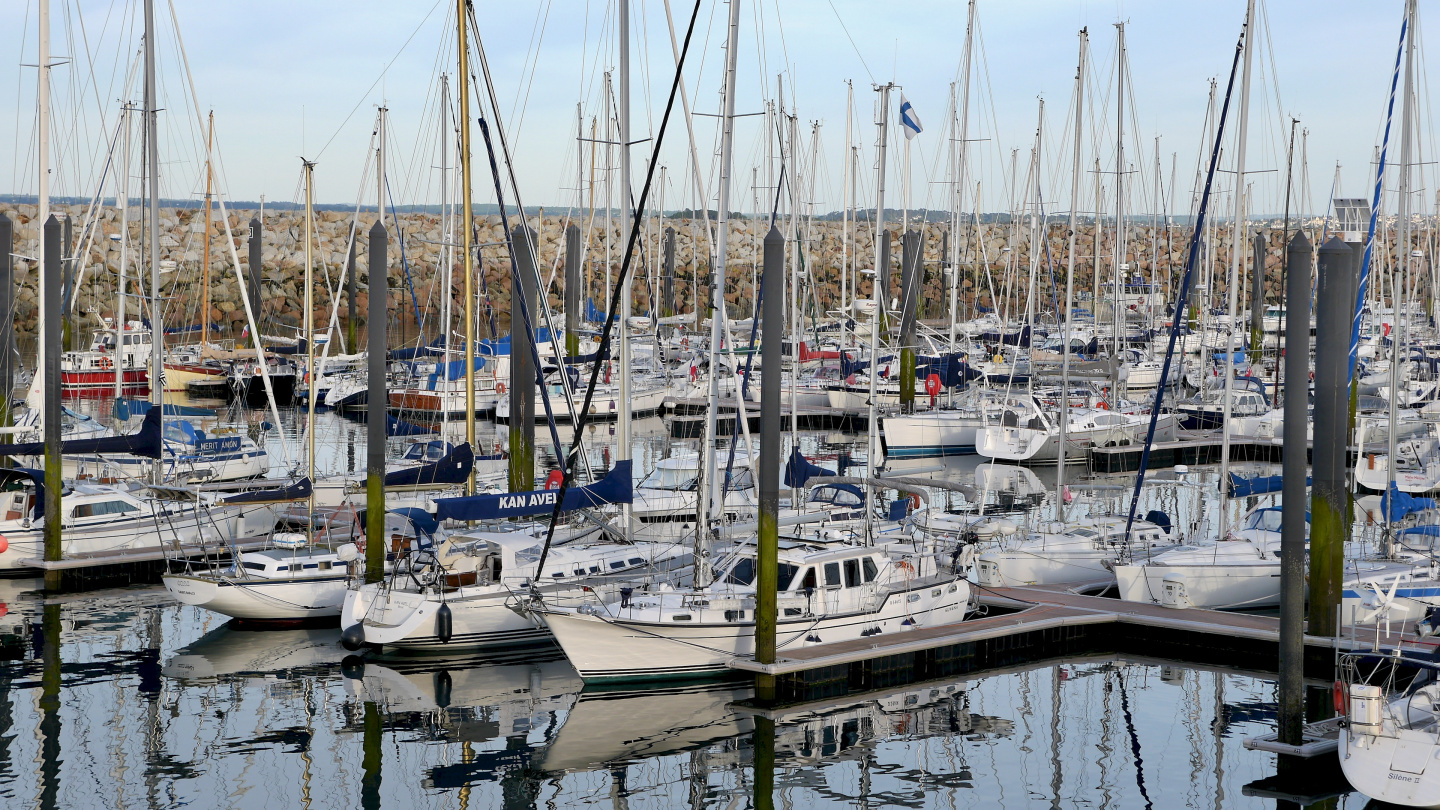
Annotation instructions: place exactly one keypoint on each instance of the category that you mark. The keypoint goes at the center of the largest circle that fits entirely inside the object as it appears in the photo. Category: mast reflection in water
(118, 699)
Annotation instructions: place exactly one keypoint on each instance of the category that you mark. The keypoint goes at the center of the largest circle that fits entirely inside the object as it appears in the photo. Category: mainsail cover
(615, 487)
(144, 442)
(297, 491)
(454, 468)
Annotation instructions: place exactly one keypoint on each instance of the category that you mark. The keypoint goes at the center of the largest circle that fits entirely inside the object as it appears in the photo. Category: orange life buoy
(1104, 406)
(914, 501)
(904, 565)
(1339, 692)
(499, 387)
(106, 363)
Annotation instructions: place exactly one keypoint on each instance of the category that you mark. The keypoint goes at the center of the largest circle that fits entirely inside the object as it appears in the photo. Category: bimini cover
(454, 468)
(800, 469)
(616, 487)
(292, 492)
(145, 443)
(1244, 487)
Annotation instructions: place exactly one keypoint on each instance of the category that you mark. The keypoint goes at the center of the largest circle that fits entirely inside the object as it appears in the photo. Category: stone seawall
(997, 258)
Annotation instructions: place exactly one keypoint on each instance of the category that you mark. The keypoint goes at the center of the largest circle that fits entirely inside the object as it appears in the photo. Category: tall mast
(205, 293)
(1398, 347)
(622, 432)
(122, 194)
(962, 149)
(447, 236)
(157, 325)
(872, 438)
(703, 571)
(310, 370)
(1237, 248)
(466, 228)
(380, 166)
(845, 203)
(1119, 211)
(1067, 329)
(43, 135)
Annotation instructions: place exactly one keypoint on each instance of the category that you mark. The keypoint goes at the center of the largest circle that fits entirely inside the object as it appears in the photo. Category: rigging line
(853, 46)
(568, 462)
(534, 69)
(378, 79)
(1184, 292)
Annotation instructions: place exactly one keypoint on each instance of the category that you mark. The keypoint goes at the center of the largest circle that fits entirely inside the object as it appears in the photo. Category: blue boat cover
(397, 427)
(616, 487)
(799, 470)
(297, 491)
(1244, 487)
(1399, 504)
(424, 522)
(144, 442)
(37, 477)
(126, 408)
(454, 468)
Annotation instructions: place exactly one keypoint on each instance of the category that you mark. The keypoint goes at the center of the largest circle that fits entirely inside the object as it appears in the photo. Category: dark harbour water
(124, 699)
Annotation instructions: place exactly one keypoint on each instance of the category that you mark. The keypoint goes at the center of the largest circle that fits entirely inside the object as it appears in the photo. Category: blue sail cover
(800, 469)
(297, 491)
(454, 468)
(397, 427)
(145, 442)
(615, 487)
(126, 408)
(1244, 487)
(1399, 505)
(423, 522)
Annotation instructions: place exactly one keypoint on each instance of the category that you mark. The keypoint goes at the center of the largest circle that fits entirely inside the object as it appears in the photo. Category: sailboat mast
(963, 152)
(622, 431)
(1398, 347)
(466, 228)
(447, 237)
(157, 312)
(1237, 243)
(209, 177)
(310, 371)
(122, 194)
(845, 202)
(1067, 328)
(1119, 262)
(878, 282)
(703, 572)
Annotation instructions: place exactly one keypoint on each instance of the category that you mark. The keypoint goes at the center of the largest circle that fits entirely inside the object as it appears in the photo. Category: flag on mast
(908, 119)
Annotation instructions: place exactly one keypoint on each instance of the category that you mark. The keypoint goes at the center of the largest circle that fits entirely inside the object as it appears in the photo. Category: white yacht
(828, 592)
(1391, 732)
(1078, 552)
(1029, 433)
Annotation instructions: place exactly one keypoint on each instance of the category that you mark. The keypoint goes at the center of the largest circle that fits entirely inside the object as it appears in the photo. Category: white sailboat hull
(1217, 587)
(261, 599)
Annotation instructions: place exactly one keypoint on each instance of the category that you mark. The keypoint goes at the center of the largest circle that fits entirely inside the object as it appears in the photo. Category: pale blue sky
(282, 77)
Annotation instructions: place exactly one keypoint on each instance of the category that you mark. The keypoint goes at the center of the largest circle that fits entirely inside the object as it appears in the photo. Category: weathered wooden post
(667, 284)
(376, 541)
(522, 366)
(1292, 537)
(50, 396)
(1257, 303)
(7, 325)
(257, 244)
(574, 263)
(67, 285)
(882, 277)
(352, 329)
(1329, 495)
(772, 357)
(910, 252)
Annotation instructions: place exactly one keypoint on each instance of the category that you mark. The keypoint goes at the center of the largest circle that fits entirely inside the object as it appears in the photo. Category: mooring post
(372, 753)
(1329, 495)
(50, 396)
(522, 366)
(352, 329)
(375, 402)
(7, 327)
(574, 263)
(772, 356)
(667, 286)
(763, 748)
(1292, 536)
(909, 301)
(257, 245)
(1257, 303)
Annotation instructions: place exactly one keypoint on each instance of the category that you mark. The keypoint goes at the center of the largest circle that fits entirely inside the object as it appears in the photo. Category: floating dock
(1036, 623)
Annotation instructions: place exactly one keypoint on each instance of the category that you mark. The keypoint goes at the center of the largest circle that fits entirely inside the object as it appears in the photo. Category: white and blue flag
(908, 119)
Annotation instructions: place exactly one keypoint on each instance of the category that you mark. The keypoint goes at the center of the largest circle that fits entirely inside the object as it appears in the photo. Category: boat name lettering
(528, 499)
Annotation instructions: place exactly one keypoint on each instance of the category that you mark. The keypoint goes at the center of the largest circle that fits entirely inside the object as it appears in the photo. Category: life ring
(914, 501)
(499, 387)
(105, 362)
(1104, 406)
(904, 565)
(684, 342)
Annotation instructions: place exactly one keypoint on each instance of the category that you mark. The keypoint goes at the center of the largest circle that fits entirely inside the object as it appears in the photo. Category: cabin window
(326, 565)
(680, 617)
(852, 573)
(808, 581)
(594, 569)
(786, 574)
(255, 566)
(742, 573)
(636, 560)
(869, 566)
(617, 564)
(308, 566)
(832, 574)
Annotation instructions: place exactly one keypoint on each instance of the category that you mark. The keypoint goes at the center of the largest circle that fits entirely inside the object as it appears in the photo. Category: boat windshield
(743, 573)
(1266, 520)
(675, 478)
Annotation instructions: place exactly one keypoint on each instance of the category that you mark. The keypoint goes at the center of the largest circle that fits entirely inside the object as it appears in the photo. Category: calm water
(125, 699)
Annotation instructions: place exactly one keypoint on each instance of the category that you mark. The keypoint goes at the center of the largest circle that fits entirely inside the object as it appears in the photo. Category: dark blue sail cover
(1244, 487)
(297, 491)
(145, 443)
(397, 427)
(800, 470)
(454, 468)
(616, 487)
